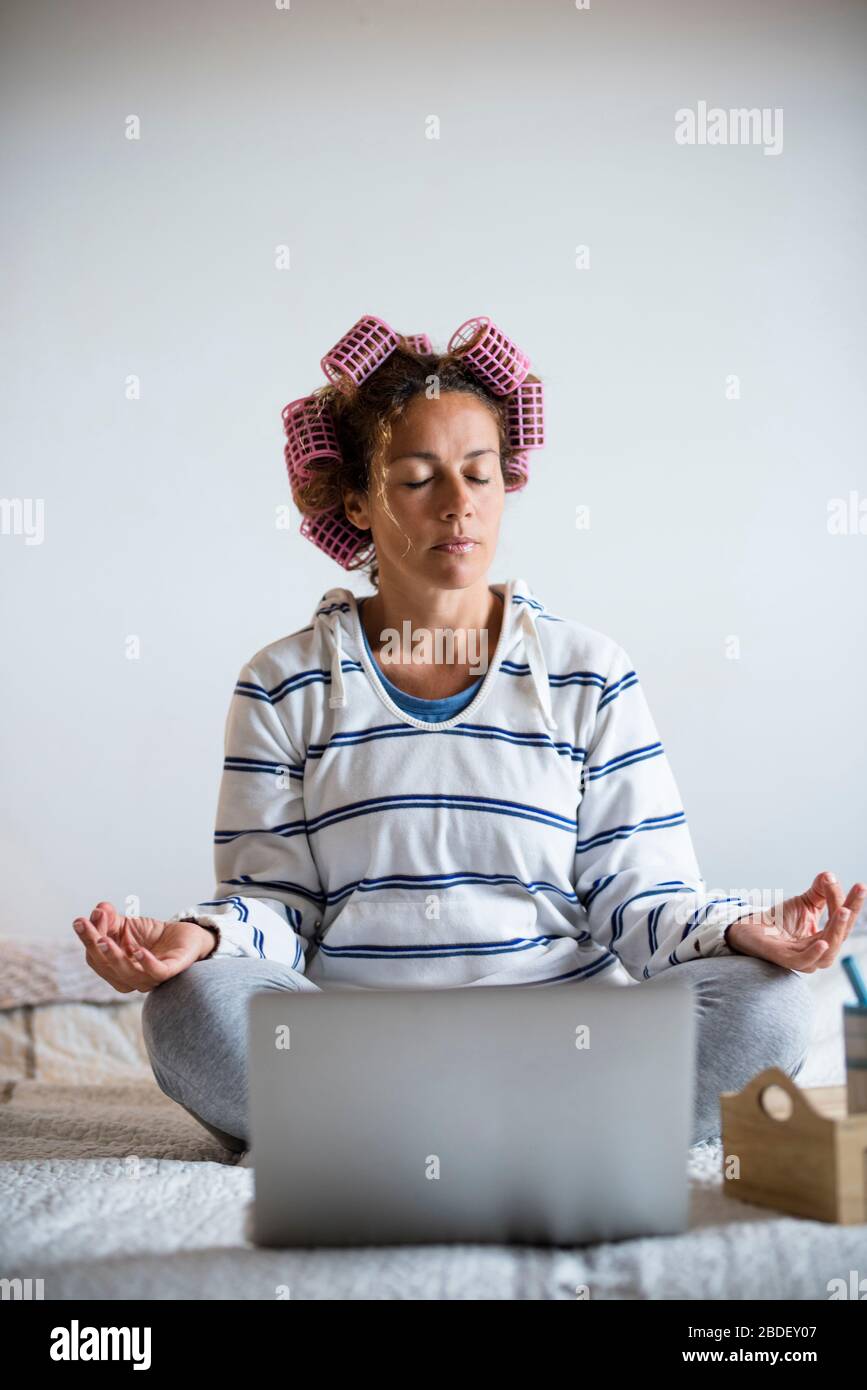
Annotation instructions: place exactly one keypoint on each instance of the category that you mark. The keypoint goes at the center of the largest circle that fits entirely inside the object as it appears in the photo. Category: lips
(456, 547)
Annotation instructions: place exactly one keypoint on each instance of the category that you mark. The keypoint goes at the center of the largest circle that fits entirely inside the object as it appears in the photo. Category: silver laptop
(553, 1116)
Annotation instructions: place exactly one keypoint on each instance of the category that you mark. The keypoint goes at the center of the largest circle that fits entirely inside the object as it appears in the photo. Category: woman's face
(442, 479)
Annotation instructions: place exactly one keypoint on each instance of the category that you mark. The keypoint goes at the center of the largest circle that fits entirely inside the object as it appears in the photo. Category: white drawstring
(535, 659)
(334, 634)
(536, 662)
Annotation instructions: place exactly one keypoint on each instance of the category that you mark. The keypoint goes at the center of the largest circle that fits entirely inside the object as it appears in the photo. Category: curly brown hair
(363, 418)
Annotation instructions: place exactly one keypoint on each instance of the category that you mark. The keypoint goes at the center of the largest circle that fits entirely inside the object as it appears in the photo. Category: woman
(404, 814)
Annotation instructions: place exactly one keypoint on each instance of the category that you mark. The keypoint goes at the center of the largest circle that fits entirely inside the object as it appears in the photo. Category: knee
(781, 1008)
(794, 1017)
(167, 1003)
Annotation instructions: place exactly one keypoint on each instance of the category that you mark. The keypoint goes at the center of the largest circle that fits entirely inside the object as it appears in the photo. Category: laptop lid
(510, 1115)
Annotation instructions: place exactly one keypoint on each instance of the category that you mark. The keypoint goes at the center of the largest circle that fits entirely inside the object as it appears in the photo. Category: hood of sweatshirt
(337, 622)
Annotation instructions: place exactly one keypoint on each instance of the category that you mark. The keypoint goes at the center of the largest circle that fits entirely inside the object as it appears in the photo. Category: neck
(474, 615)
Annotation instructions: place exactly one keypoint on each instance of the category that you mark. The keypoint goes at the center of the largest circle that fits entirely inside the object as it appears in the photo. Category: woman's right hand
(139, 953)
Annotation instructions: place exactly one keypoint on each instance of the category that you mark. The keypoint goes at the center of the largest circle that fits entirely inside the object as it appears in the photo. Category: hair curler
(419, 342)
(297, 481)
(338, 538)
(490, 355)
(525, 416)
(310, 437)
(519, 464)
(359, 352)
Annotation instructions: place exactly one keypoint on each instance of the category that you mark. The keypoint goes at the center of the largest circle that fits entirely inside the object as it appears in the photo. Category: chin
(458, 571)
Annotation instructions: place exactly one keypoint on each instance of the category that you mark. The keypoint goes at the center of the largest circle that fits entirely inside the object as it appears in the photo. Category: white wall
(307, 127)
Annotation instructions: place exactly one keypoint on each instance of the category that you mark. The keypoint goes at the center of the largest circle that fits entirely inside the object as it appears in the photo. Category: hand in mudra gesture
(138, 953)
(789, 933)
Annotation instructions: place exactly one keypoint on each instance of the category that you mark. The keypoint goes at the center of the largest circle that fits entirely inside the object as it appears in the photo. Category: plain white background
(157, 258)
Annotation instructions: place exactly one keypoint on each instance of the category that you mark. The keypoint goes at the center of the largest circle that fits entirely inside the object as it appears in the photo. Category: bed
(109, 1190)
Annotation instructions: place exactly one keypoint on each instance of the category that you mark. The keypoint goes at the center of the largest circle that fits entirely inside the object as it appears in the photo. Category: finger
(823, 890)
(841, 924)
(810, 947)
(152, 967)
(116, 952)
(129, 937)
(90, 937)
(835, 930)
(146, 967)
(104, 962)
(106, 919)
(817, 891)
(88, 934)
(855, 900)
(133, 943)
(129, 956)
(833, 893)
(810, 954)
(98, 964)
(117, 961)
(793, 955)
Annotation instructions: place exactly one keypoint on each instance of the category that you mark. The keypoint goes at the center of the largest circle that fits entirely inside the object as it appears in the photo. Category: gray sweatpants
(751, 1014)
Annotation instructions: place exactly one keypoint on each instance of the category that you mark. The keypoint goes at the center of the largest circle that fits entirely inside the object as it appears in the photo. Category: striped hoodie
(536, 837)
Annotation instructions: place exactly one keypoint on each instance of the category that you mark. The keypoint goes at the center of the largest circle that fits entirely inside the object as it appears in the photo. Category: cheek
(490, 504)
(408, 509)
(404, 501)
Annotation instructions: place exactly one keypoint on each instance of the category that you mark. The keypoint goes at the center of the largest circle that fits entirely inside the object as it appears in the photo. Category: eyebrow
(435, 458)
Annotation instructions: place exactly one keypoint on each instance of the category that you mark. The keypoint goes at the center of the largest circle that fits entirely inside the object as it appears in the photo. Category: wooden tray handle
(752, 1093)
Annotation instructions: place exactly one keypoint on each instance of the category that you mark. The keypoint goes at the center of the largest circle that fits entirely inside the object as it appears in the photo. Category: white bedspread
(110, 1190)
(164, 1217)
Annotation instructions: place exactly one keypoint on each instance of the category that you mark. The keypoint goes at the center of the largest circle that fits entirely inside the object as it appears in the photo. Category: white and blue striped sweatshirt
(536, 837)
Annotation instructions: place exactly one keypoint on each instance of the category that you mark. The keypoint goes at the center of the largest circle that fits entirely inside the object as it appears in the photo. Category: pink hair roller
(520, 464)
(359, 352)
(419, 342)
(297, 480)
(525, 416)
(339, 539)
(490, 355)
(310, 437)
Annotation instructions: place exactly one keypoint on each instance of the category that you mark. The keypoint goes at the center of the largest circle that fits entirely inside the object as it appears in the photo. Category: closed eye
(425, 481)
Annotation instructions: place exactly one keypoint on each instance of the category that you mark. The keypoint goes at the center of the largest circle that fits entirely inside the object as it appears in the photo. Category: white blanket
(110, 1190)
(164, 1216)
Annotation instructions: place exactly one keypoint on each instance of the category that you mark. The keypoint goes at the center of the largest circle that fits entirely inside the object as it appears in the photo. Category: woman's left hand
(788, 934)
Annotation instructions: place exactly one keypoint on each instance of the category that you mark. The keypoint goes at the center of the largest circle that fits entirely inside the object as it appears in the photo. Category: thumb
(824, 891)
(808, 952)
(815, 895)
(160, 969)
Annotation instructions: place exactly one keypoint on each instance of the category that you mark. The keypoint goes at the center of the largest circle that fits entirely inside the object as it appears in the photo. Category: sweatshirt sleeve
(636, 873)
(268, 899)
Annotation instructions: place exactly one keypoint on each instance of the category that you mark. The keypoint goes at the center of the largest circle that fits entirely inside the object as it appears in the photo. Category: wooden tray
(800, 1152)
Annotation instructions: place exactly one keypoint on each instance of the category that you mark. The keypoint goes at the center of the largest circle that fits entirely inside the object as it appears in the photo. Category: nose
(458, 501)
